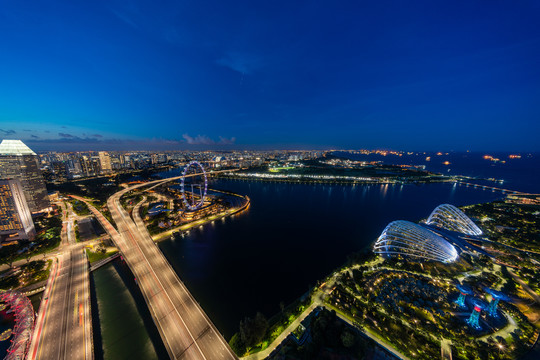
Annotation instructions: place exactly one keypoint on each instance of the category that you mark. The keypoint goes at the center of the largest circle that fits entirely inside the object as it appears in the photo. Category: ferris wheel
(194, 185)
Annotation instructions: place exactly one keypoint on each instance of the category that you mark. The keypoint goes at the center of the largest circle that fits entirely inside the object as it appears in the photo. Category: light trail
(186, 330)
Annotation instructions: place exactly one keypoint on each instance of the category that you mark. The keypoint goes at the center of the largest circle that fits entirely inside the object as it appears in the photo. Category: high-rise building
(77, 168)
(127, 161)
(60, 170)
(17, 161)
(15, 218)
(89, 166)
(105, 161)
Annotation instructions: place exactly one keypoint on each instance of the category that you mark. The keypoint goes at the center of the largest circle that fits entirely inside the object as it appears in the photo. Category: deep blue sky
(410, 75)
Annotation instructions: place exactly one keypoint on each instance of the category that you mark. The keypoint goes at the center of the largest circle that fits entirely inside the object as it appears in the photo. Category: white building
(105, 161)
(18, 161)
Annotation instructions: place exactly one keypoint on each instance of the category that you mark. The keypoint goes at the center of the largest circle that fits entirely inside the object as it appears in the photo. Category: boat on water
(5, 335)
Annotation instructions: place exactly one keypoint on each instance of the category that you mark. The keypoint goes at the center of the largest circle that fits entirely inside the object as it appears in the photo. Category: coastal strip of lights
(313, 177)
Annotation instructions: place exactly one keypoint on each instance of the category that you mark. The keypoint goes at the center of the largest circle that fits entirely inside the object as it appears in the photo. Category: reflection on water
(291, 236)
(122, 325)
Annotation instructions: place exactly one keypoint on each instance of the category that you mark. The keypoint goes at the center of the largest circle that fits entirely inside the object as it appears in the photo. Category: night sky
(404, 75)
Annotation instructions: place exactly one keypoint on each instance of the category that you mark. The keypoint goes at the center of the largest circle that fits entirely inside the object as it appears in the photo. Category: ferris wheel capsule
(198, 181)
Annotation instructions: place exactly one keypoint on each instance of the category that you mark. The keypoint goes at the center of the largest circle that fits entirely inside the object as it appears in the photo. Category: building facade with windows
(105, 162)
(18, 161)
(15, 217)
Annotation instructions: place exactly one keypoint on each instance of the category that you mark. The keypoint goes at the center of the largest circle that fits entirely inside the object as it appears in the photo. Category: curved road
(186, 331)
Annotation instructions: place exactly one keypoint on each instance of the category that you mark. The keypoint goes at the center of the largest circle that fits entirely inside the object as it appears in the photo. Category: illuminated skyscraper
(15, 218)
(90, 166)
(105, 161)
(17, 161)
(60, 170)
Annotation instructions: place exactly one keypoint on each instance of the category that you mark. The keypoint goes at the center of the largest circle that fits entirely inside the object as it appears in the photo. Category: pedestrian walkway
(264, 353)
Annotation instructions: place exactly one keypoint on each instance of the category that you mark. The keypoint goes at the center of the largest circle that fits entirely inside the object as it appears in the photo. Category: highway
(64, 326)
(186, 331)
(137, 215)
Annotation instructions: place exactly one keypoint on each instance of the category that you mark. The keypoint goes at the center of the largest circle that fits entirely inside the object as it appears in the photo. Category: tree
(252, 331)
(348, 339)
(8, 254)
(237, 345)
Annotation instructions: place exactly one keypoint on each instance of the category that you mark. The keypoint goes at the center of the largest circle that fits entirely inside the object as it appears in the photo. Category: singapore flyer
(194, 185)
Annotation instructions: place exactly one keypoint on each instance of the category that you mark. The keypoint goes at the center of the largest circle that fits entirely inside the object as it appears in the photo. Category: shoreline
(186, 227)
(308, 181)
(387, 346)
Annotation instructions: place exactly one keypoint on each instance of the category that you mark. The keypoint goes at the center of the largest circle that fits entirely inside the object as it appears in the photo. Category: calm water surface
(291, 236)
(122, 324)
(521, 174)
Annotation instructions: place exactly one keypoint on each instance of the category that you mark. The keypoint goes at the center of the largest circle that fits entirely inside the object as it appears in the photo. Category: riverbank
(186, 227)
(291, 236)
(345, 292)
(316, 180)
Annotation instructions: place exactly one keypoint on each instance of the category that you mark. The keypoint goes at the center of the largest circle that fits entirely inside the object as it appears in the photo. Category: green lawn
(93, 257)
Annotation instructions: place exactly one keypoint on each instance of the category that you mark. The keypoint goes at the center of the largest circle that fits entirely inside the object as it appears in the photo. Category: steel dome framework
(409, 239)
(451, 218)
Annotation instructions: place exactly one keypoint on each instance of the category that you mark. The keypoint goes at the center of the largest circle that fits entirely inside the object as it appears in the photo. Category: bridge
(185, 329)
(492, 188)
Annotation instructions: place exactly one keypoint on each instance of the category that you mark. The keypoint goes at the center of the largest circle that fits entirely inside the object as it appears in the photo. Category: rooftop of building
(15, 147)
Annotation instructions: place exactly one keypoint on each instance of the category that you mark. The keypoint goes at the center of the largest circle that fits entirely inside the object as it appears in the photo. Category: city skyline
(131, 212)
(274, 180)
(117, 76)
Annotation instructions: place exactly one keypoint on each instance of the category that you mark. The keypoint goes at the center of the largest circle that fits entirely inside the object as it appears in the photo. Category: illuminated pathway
(186, 331)
(318, 301)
